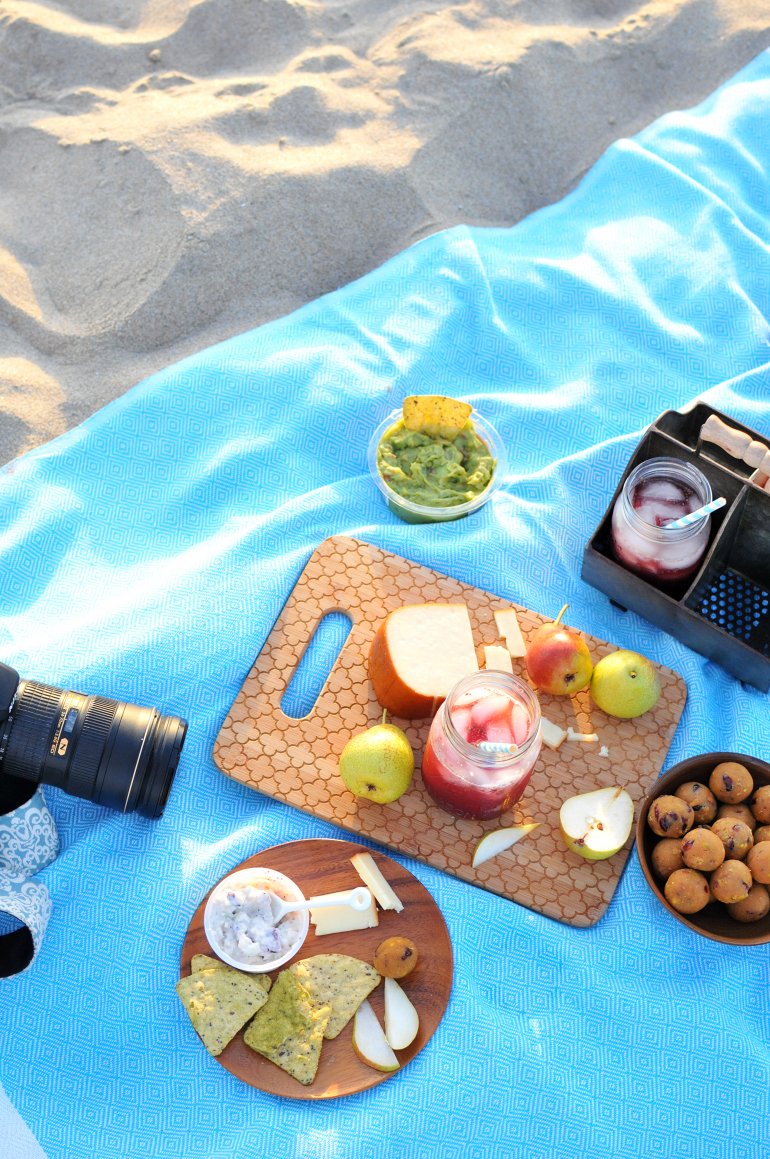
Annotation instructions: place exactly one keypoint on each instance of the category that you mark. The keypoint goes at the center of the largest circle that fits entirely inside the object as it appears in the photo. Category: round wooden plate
(322, 865)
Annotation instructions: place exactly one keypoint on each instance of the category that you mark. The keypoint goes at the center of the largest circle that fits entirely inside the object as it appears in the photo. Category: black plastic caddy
(723, 611)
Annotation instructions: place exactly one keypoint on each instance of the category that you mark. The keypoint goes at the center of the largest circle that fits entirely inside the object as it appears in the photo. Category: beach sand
(175, 172)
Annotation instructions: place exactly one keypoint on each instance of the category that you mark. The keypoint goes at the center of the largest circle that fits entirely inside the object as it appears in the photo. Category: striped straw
(694, 516)
(496, 746)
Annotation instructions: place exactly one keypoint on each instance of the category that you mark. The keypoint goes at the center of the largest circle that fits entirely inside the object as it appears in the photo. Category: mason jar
(659, 491)
(482, 746)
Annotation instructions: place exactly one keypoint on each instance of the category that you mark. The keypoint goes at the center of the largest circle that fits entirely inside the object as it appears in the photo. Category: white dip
(242, 923)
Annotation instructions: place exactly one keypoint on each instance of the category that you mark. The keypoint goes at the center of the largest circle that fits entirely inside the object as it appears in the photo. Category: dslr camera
(107, 751)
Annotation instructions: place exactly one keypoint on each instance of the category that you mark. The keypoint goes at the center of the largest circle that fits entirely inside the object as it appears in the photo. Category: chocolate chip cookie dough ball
(731, 882)
(667, 856)
(736, 837)
(758, 861)
(752, 908)
(670, 816)
(740, 812)
(700, 799)
(702, 849)
(687, 891)
(760, 804)
(731, 782)
(762, 834)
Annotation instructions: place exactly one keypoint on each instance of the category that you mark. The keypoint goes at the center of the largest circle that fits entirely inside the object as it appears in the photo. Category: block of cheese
(497, 658)
(508, 626)
(339, 919)
(371, 875)
(418, 654)
(553, 736)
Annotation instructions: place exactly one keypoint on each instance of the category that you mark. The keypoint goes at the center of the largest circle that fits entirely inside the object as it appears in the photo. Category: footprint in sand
(123, 237)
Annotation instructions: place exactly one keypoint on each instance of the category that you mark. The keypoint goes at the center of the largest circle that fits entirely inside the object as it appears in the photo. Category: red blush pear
(558, 660)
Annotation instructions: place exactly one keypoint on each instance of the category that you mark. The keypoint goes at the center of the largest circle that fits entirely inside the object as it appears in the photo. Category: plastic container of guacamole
(414, 508)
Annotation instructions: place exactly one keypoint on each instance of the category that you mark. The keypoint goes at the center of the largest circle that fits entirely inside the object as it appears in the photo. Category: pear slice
(401, 1019)
(597, 824)
(499, 840)
(369, 1041)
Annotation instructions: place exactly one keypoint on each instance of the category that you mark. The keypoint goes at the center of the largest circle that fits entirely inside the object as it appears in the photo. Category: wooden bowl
(714, 921)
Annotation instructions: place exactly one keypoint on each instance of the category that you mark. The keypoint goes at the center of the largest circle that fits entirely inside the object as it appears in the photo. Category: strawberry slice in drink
(476, 734)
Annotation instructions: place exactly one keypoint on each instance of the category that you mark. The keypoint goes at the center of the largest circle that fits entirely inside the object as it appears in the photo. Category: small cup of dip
(440, 480)
(239, 925)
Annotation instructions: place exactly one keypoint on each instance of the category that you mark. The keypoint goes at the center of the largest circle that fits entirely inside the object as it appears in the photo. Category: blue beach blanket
(146, 554)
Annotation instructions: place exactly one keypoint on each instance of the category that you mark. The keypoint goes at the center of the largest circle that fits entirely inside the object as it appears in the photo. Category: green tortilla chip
(220, 1002)
(289, 1029)
(339, 981)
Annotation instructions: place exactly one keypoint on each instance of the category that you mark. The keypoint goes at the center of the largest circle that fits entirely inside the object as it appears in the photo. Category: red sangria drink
(656, 493)
(482, 745)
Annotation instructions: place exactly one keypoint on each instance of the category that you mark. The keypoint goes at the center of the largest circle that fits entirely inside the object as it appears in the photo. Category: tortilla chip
(435, 414)
(205, 962)
(220, 1002)
(339, 981)
(289, 1029)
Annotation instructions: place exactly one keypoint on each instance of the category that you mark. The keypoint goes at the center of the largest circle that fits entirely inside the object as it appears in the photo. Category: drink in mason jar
(487, 708)
(656, 493)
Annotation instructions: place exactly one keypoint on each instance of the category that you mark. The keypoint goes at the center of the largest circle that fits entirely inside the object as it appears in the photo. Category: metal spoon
(358, 899)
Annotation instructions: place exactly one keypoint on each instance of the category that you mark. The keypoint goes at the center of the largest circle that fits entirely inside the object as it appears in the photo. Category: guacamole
(435, 471)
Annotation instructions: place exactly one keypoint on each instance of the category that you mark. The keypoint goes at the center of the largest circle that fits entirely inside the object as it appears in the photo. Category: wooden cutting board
(295, 760)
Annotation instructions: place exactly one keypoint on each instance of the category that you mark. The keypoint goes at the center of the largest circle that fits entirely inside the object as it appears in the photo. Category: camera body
(107, 751)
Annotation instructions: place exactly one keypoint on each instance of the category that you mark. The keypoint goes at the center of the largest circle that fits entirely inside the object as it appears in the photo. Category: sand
(175, 172)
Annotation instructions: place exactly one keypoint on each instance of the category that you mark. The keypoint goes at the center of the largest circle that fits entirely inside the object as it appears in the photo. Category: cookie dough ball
(740, 812)
(731, 882)
(758, 861)
(395, 957)
(760, 804)
(736, 837)
(700, 799)
(731, 782)
(753, 907)
(762, 834)
(687, 891)
(667, 856)
(670, 816)
(702, 849)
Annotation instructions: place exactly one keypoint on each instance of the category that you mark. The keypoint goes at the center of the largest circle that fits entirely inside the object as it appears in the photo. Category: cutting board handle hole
(315, 665)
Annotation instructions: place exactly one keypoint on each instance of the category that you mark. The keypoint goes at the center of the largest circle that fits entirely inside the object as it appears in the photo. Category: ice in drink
(656, 493)
(488, 708)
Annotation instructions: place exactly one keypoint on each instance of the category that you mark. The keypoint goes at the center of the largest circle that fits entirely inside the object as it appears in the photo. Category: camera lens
(110, 752)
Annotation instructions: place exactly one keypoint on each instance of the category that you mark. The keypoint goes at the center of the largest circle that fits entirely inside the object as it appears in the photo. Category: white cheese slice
(367, 870)
(339, 919)
(552, 734)
(497, 658)
(583, 737)
(508, 626)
